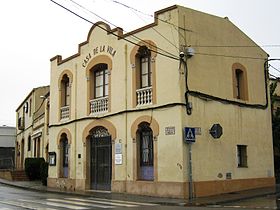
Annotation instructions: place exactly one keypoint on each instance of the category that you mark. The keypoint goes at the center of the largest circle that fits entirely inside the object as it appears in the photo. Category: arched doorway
(100, 159)
(64, 156)
(145, 150)
(22, 154)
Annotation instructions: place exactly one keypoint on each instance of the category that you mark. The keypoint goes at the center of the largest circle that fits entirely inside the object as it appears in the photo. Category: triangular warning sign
(190, 134)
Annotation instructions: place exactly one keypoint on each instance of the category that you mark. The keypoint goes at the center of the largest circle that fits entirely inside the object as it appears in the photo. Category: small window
(242, 155)
(240, 86)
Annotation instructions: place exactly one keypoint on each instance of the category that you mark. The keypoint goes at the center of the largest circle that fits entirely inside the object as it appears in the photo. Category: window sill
(242, 166)
(143, 180)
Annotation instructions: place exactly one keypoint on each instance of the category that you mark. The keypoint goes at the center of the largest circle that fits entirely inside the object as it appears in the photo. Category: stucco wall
(209, 71)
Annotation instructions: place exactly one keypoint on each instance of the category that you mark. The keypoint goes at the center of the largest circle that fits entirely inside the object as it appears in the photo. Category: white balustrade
(99, 105)
(144, 96)
(65, 112)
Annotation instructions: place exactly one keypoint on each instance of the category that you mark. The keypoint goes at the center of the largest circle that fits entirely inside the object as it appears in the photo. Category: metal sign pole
(190, 139)
(190, 174)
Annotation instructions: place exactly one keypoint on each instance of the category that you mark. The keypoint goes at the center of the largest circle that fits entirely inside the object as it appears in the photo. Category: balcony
(65, 112)
(99, 105)
(144, 96)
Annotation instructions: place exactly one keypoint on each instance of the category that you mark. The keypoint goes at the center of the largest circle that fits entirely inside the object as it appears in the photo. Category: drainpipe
(75, 124)
(125, 51)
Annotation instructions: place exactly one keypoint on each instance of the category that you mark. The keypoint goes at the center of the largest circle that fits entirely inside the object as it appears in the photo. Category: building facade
(7, 147)
(32, 126)
(120, 105)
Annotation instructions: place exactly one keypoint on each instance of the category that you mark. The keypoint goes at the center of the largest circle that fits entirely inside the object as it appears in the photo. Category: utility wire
(176, 26)
(157, 18)
(158, 33)
(273, 76)
(84, 8)
(120, 37)
(169, 55)
(135, 11)
(233, 46)
(200, 46)
(274, 68)
(230, 56)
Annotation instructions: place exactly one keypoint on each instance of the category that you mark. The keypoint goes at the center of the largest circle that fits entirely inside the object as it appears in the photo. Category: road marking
(127, 202)
(250, 207)
(78, 203)
(104, 202)
(72, 203)
(55, 204)
(12, 203)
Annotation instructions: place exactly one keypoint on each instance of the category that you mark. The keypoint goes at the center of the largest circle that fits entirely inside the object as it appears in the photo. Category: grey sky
(34, 31)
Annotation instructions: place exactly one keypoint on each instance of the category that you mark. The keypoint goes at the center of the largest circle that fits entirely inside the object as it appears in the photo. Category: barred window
(242, 155)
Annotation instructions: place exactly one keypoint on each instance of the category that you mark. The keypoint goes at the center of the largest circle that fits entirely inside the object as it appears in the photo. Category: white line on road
(56, 204)
(127, 202)
(104, 202)
(78, 203)
(12, 203)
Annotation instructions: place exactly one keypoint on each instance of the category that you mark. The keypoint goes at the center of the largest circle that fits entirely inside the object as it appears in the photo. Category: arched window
(100, 75)
(65, 91)
(65, 97)
(99, 90)
(145, 152)
(144, 59)
(240, 86)
(143, 63)
(144, 84)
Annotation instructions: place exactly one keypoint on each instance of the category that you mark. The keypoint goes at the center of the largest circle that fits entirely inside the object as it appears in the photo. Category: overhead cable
(157, 18)
(274, 68)
(120, 37)
(230, 56)
(105, 20)
(233, 46)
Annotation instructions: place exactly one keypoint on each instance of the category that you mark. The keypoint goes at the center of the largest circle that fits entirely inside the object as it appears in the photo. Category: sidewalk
(211, 200)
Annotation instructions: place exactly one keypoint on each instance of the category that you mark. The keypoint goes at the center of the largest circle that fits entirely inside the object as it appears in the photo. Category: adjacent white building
(7, 146)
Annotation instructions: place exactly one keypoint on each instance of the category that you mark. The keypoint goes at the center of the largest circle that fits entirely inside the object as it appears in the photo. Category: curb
(150, 199)
(120, 196)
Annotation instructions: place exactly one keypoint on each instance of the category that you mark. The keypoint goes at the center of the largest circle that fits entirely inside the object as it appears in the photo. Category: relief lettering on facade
(101, 49)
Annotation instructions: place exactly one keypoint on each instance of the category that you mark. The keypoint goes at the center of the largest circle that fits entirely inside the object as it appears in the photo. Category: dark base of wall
(169, 189)
(208, 188)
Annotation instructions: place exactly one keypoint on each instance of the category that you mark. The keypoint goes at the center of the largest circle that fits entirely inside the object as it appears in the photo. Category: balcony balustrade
(65, 112)
(144, 96)
(99, 105)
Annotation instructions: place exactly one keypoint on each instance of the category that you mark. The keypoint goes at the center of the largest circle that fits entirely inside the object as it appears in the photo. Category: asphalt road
(266, 202)
(15, 198)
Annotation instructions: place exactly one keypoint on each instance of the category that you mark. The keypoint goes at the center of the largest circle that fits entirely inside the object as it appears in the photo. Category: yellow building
(32, 126)
(120, 105)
